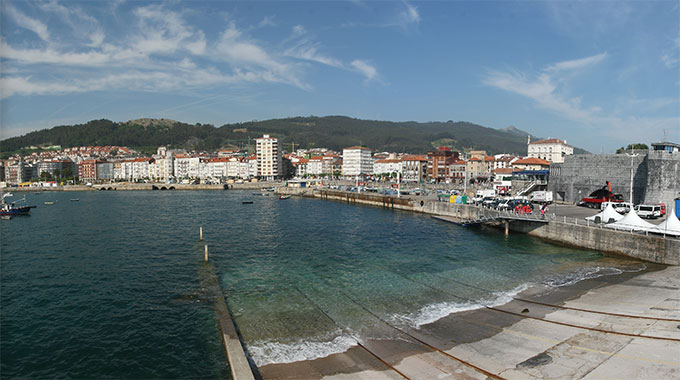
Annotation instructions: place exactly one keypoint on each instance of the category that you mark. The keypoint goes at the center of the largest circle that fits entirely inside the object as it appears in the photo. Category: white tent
(631, 222)
(606, 215)
(670, 226)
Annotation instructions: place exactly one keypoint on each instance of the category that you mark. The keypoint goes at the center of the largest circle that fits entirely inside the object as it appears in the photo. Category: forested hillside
(333, 132)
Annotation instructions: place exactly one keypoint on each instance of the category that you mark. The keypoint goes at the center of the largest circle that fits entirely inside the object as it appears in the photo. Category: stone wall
(581, 174)
(663, 179)
(652, 248)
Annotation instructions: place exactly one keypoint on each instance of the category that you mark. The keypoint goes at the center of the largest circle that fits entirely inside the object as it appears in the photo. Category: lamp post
(632, 156)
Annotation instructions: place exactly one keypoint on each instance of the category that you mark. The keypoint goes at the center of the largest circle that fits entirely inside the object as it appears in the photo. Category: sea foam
(272, 352)
(434, 312)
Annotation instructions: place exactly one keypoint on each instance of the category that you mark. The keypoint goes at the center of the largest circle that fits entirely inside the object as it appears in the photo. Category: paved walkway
(612, 327)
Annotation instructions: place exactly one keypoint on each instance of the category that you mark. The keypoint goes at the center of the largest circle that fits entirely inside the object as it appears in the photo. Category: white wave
(571, 278)
(434, 312)
(270, 352)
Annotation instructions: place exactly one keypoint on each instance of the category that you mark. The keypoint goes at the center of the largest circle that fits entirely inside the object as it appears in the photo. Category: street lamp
(632, 156)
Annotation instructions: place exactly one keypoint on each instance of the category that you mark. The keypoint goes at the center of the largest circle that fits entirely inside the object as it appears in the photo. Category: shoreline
(464, 334)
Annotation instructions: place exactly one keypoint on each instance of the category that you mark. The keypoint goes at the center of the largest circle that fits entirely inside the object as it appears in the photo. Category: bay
(108, 287)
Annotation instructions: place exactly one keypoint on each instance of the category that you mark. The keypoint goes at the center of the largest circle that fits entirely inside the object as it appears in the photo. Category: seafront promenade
(623, 327)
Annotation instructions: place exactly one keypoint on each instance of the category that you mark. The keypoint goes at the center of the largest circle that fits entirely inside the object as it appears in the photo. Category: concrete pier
(238, 363)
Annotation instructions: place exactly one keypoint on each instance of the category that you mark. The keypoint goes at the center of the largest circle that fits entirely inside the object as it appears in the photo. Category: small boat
(12, 209)
(247, 202)
(49, 202)
(284, 197)
(75, 199)
(6, 217)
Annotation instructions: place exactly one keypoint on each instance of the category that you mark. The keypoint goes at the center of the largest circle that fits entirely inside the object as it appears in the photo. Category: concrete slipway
(621, 328)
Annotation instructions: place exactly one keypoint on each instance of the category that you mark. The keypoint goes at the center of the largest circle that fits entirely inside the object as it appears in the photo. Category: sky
(600, 74)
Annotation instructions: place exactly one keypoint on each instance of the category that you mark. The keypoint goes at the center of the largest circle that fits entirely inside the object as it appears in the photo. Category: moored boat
(284, 197)
(12, 209)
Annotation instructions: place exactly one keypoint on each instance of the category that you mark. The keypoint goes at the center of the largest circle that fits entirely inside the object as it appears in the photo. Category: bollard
(200, 233)
(206, 253)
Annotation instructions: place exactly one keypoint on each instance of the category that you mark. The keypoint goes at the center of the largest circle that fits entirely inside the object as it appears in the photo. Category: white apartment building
(140, 168)
(356, 160)
(503, 161)
(387, 166)
(251, 166)
(162, 168)
(187, 166)
(269, 161)
(553, 150)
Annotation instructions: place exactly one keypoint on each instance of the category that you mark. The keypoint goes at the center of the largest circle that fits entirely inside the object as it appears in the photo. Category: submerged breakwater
(115, 276)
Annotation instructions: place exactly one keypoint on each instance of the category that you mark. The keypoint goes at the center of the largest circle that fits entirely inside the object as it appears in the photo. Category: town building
(356, 160)
(87, 170)
(414, 168)
(57, 168)
(104, 171)
(438, 163)
(666, 147)
(504, 161)
(269, 160)
(458, 171)
(502, 181)
(552, 150)
(387, 166)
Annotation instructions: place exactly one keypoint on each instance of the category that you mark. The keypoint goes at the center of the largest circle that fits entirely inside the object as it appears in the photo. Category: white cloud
(365, 69)
(303, 47)
(577, 63)
(410, 15)
(78, 20)
(164, 32)
(545, 90)
(26, 22)
(267, 21)
(159, 50)
(51, 56)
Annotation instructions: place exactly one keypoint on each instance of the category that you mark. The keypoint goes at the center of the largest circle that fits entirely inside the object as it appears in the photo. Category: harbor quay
(560, 229)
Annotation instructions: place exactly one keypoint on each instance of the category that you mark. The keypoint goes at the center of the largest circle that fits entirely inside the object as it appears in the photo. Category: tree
(637, 146)
(45, 176)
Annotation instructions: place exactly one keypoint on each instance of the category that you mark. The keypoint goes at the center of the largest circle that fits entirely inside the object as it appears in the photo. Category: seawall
(653, 248)
(122, 186)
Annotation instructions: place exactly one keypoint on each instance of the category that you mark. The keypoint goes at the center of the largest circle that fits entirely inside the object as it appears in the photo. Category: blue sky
(600, 74)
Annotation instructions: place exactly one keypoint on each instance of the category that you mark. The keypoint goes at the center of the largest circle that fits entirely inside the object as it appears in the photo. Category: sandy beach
(620, 326)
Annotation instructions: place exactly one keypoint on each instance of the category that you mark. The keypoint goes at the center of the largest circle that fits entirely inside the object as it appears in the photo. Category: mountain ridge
(333, 132)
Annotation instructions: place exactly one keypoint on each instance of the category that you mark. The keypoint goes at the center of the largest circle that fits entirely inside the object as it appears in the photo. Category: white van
(648, 211)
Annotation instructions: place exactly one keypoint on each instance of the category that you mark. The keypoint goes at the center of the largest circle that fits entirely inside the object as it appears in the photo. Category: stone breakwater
(652, 248)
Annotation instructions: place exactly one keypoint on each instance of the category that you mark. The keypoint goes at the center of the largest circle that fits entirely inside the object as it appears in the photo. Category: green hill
(334, 132)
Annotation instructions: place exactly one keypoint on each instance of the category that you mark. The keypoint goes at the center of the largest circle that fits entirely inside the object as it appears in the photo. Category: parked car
(620, 207)
(486, 201)
(648, 211)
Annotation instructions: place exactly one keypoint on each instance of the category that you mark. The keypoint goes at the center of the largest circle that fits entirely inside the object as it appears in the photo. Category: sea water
(108, 287)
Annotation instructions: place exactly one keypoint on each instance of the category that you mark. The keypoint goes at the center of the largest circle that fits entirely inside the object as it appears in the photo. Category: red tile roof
(414, 158)
(531, 161)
